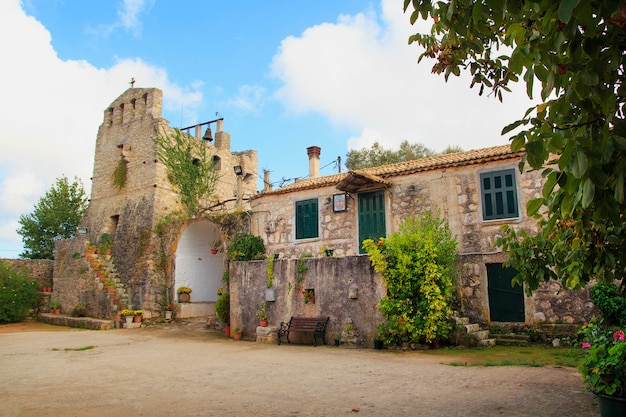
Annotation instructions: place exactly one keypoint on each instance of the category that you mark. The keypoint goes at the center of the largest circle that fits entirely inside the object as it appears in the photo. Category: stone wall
(331, 278)
(38, 269)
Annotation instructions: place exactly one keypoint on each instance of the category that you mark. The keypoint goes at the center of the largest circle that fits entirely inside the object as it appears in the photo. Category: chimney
(314, 161)
(267, 185)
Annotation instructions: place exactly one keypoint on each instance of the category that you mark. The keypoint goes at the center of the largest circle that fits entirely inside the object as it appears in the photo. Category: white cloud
(128, 18)
(51, 109)
(249, 99)
(361, 72)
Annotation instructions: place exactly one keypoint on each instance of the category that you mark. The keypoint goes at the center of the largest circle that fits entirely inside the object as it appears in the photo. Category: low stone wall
(37, 269)
(346, 288)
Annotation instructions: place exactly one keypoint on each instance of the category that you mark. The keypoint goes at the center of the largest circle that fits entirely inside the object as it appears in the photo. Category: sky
(284, 75)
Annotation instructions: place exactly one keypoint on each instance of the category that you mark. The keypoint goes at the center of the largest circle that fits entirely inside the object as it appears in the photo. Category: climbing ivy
(418, 267)
(119, 173)
(189, 169)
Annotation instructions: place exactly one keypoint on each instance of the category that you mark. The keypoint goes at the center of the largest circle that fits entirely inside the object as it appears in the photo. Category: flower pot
(184, 298)
(137, 319)
(227, 330)
(168, 315)
(378, 344)
(612, 406)
(237, 335)
(263, 323)
(214, 251)
(57, 311)
(129, 319)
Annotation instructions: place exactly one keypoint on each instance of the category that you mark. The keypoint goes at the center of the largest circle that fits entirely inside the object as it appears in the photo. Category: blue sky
(285, 75)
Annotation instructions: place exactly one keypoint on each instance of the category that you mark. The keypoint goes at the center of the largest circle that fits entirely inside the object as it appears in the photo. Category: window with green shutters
(306, 219)
(499, 195)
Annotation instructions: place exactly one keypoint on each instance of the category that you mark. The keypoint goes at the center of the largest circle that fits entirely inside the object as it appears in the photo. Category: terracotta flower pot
(214, 251)
(184, 298)
(137, 319)
(237, 335)
(263, 323)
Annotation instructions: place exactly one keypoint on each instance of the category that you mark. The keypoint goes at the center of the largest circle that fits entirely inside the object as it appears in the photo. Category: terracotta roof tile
(477, 156)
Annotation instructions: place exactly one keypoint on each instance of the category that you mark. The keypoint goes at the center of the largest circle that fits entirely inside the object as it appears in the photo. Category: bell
(208, 135)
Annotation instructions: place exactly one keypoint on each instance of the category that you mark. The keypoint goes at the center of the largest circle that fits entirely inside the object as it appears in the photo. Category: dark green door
(371, 216)
(506, 303)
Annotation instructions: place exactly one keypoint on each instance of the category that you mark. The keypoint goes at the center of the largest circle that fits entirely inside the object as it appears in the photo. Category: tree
(189, 169)
(576, 136)
(55, 216)
(377, 155)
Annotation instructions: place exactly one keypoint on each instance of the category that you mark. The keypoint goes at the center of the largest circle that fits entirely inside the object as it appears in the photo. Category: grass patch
(80, 349)
(532, 356)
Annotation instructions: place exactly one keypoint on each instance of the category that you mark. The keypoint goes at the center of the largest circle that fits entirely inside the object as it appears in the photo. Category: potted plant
(138, 316)
(337, 339)
(222, 309)
(237, 333)
(168, 312)
(55, 306)
(184, 294)
(380, 334)
(261, 314)
(216, 247)
(128, 315)
(604, 367)
(79, 310)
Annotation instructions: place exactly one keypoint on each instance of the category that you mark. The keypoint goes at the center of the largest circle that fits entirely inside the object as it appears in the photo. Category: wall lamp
(238, 170)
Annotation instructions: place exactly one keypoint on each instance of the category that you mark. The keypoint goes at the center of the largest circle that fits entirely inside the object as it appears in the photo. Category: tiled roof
(472, 157)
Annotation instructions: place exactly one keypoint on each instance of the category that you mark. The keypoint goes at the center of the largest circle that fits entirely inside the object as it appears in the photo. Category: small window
(217, 163)
(499, 195)
(306, 219)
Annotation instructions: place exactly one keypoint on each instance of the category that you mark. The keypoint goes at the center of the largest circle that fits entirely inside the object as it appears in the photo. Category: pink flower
(586, 345)
(585, 324)
(618, 335)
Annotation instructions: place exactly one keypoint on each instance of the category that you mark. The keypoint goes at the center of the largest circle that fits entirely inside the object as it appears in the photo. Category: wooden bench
(315, 325)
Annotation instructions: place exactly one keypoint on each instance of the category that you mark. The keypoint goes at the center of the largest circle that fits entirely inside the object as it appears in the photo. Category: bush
(79, 310)
(18, 295)
(611, 304)
(246, 247)
(418, 267)
(222, 307)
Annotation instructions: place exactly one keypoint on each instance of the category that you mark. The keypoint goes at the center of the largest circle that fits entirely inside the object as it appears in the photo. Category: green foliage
(261, 314)
(418, 267)
(377, 155)
(105, 241)
(270, 272)
(18, 294)
(189, 168)
(301, 267)
(222, 307)
(246, 247)
(611, 304)
(55, 216)
(577, 136)
(119, 173)
(79, 310)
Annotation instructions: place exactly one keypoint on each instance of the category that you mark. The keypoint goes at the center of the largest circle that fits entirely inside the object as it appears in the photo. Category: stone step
(479, 335)
(78, 322)
(487, 342)
(460, 321)
(471, 328)
(513, 336)
(512, 339)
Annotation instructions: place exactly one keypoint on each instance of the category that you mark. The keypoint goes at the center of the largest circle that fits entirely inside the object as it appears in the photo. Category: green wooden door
(371, 216)
(506, 302)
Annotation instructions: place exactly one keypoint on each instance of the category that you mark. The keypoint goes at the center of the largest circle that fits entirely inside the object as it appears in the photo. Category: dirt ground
(183, 371)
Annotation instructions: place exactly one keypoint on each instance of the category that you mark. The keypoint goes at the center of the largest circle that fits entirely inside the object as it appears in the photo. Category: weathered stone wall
(548, 304)
(331, 278)
(38, 269)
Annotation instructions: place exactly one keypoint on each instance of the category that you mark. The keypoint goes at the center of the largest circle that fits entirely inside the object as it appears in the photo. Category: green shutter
(306, 219)
(372, 224)
(499, 195)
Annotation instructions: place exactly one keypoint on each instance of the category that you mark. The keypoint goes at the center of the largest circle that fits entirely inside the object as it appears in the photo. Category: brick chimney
(314, 161)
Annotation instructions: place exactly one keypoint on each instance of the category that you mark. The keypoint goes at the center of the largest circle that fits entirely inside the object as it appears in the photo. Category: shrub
(18, 295)
(222, 307)
(611, 304)
(246, 247)
(418, 267)
(79, 310)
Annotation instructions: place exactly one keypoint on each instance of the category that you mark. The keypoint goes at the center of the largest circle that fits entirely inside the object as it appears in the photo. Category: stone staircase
(119, 296)
(470, 334)
(512, 339)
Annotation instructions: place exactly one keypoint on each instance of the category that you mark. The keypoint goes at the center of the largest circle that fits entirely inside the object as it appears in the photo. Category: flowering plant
(309, 296)
(138, 312)
(604, 368)
(183, 290)
(127, 312)
(169, 307)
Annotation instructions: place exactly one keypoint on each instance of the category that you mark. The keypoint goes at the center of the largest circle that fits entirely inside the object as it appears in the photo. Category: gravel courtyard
(179, 371)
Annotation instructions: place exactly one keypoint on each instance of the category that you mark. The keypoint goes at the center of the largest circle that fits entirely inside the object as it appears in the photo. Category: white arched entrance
(198, 269)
